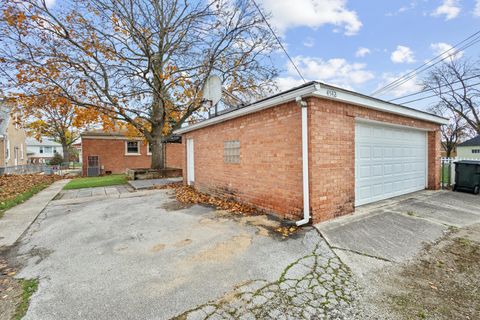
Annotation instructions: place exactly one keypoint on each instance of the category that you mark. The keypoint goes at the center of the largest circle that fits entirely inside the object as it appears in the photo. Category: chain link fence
(41, 168)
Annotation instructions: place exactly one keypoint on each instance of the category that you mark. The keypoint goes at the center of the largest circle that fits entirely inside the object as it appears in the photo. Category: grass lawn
(29, 288)
(7, 204)
(446, 173)
(91, 182)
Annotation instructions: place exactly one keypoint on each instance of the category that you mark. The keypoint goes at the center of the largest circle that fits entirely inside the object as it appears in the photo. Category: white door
(389, 161)
(190, 162)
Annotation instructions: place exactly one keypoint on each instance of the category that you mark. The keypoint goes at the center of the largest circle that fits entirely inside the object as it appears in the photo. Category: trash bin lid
(477, 162)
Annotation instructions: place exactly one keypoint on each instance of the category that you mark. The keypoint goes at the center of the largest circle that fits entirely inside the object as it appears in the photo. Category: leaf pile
(286, 231)
(14, 185)
(173, 185)
(187, 194)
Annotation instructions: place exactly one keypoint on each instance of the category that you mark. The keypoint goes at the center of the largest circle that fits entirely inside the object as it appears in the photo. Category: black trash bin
(467, 176)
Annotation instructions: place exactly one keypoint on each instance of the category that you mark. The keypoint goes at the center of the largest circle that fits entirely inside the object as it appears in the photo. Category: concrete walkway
(395, 230)
(110, 192)
(150, 183)
(17, 219)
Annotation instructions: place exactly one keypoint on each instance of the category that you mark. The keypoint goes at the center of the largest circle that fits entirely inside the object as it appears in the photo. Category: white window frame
(149, 151)
(132, 153)
(475, 150)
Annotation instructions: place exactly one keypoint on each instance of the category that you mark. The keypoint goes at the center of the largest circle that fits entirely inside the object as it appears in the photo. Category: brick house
(314, 152)
(115, 152)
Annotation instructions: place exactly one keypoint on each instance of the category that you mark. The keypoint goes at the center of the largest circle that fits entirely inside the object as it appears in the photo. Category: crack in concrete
(316, 286)
(363, 254)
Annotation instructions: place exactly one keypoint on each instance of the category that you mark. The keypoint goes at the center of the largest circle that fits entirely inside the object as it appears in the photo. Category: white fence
(447, 173)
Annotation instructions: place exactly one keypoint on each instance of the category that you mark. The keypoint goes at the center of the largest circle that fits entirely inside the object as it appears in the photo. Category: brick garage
(268, 170)
(111, 149)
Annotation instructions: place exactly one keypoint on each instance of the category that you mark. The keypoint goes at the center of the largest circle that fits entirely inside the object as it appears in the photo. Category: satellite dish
(212, 90)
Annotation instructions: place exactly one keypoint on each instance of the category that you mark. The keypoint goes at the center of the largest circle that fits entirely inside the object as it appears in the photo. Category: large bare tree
(139, 62)
(456, 84)
(452, 133)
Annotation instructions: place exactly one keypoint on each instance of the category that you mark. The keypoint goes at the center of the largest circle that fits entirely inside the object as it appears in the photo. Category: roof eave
(339, 94)
(286, 97)
(323, 91)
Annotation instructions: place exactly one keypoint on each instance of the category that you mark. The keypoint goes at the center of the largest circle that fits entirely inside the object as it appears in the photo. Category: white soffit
(324, 91)
(338, 94)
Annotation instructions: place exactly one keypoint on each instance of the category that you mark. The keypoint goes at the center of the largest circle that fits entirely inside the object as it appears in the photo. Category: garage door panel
(389, 161)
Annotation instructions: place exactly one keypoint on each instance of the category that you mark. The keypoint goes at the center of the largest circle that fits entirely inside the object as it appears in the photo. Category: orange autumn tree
(141, 62)
(48, 114)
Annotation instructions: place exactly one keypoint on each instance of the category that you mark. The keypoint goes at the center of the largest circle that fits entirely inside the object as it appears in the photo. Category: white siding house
(469, 149)
(42, 152)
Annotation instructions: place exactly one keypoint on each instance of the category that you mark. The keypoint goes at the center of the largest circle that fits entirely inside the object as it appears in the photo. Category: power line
(436, 95)
(430, 66)
(412, 73)
(431, 89)
(421, 69)
(279, 42)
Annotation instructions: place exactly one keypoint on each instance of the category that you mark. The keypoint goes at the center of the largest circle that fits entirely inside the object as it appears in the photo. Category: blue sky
(326, 37)
(363, 45)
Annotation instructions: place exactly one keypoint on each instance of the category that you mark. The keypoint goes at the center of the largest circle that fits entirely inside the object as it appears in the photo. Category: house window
(475, 150)
(41, 149)
(21, 151)
(231, 151)
(133, 147)
(149, 148)
(7, 151)
(48, 149)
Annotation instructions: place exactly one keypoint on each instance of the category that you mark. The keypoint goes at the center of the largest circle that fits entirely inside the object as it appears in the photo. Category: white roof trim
(338, 94)
(322, 91)
(258, 106)
(100, 137)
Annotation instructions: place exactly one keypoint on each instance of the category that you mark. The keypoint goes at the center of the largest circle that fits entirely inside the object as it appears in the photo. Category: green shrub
(56, 160)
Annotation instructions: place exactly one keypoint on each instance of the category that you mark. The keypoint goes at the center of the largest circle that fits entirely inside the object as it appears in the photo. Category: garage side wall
(269, 174)
(332, 154)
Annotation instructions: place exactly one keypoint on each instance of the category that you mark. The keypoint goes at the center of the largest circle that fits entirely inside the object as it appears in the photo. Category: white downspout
(306, 190)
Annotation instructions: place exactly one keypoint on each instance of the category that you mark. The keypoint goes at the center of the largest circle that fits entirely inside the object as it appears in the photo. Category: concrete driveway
(146, 256)
(396, 230)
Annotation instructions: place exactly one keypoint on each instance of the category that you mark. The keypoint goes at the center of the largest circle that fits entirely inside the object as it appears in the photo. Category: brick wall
(175, 153)
(332, 154)
(434, 156)
(269, 175)
(112, 156)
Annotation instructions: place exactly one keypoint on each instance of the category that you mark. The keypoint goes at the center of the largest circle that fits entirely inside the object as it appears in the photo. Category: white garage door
(389, 161)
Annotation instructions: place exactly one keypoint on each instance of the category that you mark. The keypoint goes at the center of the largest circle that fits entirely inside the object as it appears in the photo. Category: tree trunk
(448, 152)
(158, 153)
(66, 153)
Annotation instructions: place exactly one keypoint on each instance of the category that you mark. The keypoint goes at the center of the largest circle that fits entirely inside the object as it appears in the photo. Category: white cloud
(402, 9)
(335, 71)
(362, 52)
(309, 42)
(449, 8)
(50, 3)
(313, 14)
(440, 48)
(405, 88)
(402, 55)
(285, 83)
(476, 11)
